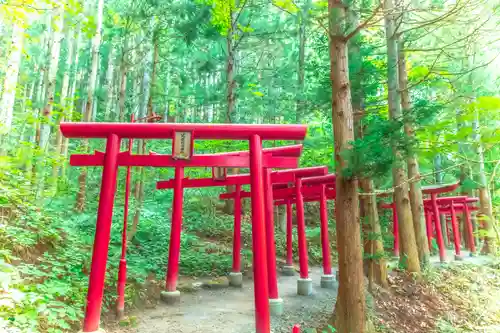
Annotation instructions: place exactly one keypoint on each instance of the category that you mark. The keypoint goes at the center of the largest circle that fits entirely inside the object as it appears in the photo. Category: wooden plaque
(182, 146)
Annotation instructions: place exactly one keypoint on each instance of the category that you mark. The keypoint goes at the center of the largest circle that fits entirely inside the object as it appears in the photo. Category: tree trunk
(87, 117)
(51, 83)
(485, 206)
(109, 80)
(231, 86)
(374, 249)
(416, 198)
(63, 103)
(123, 86)
(409, 253)
(350, 304)
(11, 75)
(302, 16)
(146, 109)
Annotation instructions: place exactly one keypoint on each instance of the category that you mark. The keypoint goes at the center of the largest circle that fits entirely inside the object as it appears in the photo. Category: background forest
(435, 64)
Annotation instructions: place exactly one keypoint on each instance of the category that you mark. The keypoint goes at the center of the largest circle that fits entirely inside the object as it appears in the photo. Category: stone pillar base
(170, 297)
(304, 287)
(459, 257)
(276, 306)
(327, 281)
(235, 279)
(288, 270)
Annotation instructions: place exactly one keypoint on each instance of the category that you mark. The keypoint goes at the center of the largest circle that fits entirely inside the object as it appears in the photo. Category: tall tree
(408, 248)
(416, 198)
(8, 93)
(350, 304)
(87, 116)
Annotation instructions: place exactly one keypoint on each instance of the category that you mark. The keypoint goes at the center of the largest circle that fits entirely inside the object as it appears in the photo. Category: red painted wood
(437, 226)
(289, 235)
(197, 161)
(175, 233)
(166, 131)
(122, 268)
(271, 246)
(102, 234)
(325, 243)
(469, 227)
(395, 230)
(301, 231)
(456, 232)
(237, 231)
(261, 290)
(330, 178)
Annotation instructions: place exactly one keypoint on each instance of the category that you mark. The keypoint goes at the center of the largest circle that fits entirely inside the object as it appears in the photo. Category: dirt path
(232, 310)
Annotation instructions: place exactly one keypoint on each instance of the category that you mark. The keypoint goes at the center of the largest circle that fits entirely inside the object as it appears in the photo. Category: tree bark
(374, 249)
(109, 80)
(416, 198)
(485, 206)
(87, 117)
(350, 305)
(63, 102)
(409, 253)
(11, 75)
(51, 83)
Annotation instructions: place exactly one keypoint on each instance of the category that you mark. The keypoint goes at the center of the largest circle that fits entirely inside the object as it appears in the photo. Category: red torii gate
(182, 136)
(450, 205)
(316, 193)
(271, 177)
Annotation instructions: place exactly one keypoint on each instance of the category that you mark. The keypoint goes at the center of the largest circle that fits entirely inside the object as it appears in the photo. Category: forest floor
(461, 296)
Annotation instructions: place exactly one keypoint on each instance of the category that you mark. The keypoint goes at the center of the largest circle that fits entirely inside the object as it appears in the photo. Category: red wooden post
(237, 231)
(456, 232)
(327, 278)
(428, 225)
(395, 226)
(236, 277)
(304, 283)
(289, 237)
(102, 233)
(172, 295)
(122, 269)
(470, 228)
(275, 302)
(296, 329)
(261, 291)
(437, 225)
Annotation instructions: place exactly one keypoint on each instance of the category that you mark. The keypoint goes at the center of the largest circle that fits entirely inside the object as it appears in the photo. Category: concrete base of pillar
(304, 287)
(235, 279)
(288, 270)
(276, 306)
(327, 281)
(459, 257)
(170, 297)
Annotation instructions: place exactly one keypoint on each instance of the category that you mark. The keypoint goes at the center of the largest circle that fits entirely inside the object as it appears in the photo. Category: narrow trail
(232, 309)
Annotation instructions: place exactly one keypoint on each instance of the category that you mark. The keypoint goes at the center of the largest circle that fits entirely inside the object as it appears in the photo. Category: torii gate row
(317, 192)
(433, 191)
(182, 136)
(269, 178)
(445, 205)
